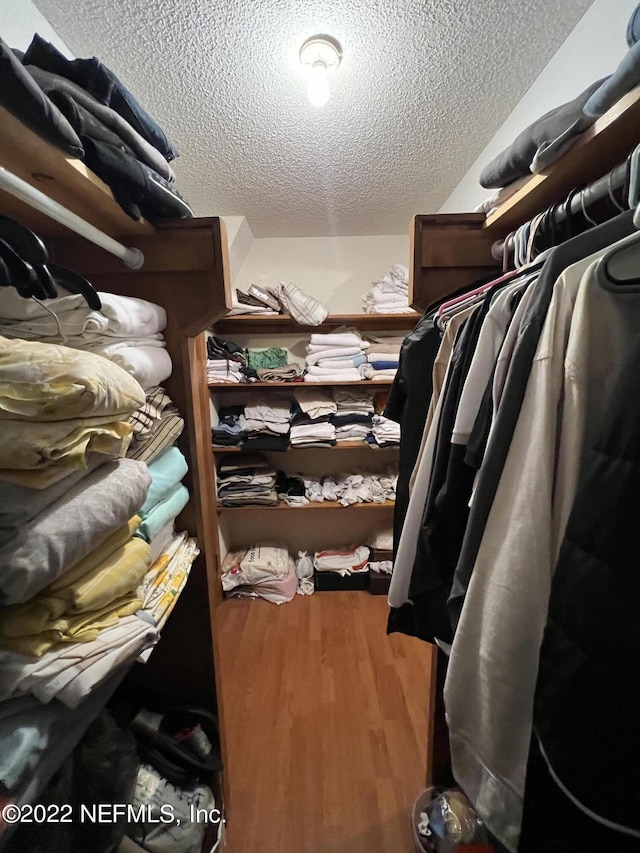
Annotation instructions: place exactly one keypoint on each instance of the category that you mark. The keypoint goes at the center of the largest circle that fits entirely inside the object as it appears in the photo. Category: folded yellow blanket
(82, 628)
(47, 382)
(76, 605)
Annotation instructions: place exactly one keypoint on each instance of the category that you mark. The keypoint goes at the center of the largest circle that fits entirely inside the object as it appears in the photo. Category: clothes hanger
(24, 242)
(75, 283)
(21, 274)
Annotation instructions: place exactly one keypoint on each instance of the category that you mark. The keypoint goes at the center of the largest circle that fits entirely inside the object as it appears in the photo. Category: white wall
(337, 271)
(592, 50)
(19, 20)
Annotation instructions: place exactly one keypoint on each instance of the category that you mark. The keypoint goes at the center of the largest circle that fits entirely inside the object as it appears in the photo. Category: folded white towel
(329, 371)
(335, 352)
(344, 339)
(149, 365)
(346, 376)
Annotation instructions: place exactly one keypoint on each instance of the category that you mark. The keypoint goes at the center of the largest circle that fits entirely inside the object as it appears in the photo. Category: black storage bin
(324, 581)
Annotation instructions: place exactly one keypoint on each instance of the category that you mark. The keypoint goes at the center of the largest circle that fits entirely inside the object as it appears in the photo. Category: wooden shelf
(63, 178)
(324, 505)
(608, 142)
(233, 386)
(268, 324)
(343, 445)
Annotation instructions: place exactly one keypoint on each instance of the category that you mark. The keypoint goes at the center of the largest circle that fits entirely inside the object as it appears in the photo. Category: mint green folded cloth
(164, 512)
(166, 471)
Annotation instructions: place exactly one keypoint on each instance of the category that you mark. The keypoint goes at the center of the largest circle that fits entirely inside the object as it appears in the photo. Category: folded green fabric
(166, 471)
(163, 512)
(272, 357)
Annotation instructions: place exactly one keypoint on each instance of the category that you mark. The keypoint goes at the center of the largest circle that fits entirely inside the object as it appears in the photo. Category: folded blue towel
(163, 512)
(384, 365)
(166, 471)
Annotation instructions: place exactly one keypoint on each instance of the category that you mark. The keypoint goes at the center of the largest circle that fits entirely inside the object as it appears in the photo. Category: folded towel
(166, 471)
(168, 508)
(304, 309)
(149, 365)
(343, 339)
(388, 364)
(288, 373)
(340, 363)
(345, 376)
(332, 352)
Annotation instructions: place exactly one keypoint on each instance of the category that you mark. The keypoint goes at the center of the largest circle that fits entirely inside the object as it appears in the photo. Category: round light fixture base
(321, 48)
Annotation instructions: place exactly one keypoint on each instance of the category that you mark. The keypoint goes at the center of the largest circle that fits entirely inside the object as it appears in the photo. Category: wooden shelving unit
(267, 324)
(186, 271)
(341, 445)
(605, 144)
(245, 386)
(283, 507)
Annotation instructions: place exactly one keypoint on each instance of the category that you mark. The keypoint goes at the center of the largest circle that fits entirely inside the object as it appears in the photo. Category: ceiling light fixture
(320, 56)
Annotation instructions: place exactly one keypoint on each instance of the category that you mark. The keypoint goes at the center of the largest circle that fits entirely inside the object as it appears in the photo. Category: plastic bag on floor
(177, 818)
(304, 573)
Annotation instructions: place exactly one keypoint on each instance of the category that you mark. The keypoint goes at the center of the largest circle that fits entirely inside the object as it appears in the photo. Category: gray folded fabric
(625, 78)
(52, 84)
(560, 125)
(19, 504)
(68, 530)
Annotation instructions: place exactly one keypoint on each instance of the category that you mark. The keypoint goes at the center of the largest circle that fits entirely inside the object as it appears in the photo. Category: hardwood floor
(326, 725)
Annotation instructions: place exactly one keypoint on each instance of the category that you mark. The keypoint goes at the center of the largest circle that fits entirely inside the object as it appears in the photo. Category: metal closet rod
(22, 190)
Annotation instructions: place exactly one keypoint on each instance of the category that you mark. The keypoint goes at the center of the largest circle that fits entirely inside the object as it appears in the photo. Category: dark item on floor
(330, 581)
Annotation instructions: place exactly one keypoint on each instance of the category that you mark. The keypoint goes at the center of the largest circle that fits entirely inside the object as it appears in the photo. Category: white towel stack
(223, 370)
(127, 330)
(389, 295)
(335, 357)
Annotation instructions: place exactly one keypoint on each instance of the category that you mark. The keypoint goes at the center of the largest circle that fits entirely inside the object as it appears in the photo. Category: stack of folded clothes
(228, 432)
(84, 108)
(311, 422)
(272, 365)
(156, 425)
(354, 411)
(266, 422)
(350, 560)
(263, 571)
(227, 362)
(247, 480)
(389, 295)
(384, 432)
(69, 509)
(335, 357)
(383, 359)
(126, 330)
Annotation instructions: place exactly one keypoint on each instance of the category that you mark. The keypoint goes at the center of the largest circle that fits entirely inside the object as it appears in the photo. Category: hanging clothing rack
(22, 190)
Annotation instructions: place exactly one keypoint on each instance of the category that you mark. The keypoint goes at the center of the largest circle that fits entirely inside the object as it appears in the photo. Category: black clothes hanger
(21, 274)
(24, 242)
(75, 283)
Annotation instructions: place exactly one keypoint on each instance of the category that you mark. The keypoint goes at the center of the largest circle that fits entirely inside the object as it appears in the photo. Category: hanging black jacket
(588, 690)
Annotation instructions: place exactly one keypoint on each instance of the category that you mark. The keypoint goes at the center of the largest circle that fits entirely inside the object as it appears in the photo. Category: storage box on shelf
(185, 271)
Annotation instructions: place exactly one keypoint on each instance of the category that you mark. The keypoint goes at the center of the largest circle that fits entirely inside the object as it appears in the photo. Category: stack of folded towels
(389, 295)
(246, 481)
(166, 499)
(311, 424)
(335, 357)
(383, 358)
(263, 571)
(69, 506)
(127, 330)
(350, 560)
(266, 422)
(354, 410)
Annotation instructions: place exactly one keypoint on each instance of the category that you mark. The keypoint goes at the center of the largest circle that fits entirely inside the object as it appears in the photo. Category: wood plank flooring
(326, 725)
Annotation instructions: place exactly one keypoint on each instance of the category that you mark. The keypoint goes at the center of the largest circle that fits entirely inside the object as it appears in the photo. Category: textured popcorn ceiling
(422, 87)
